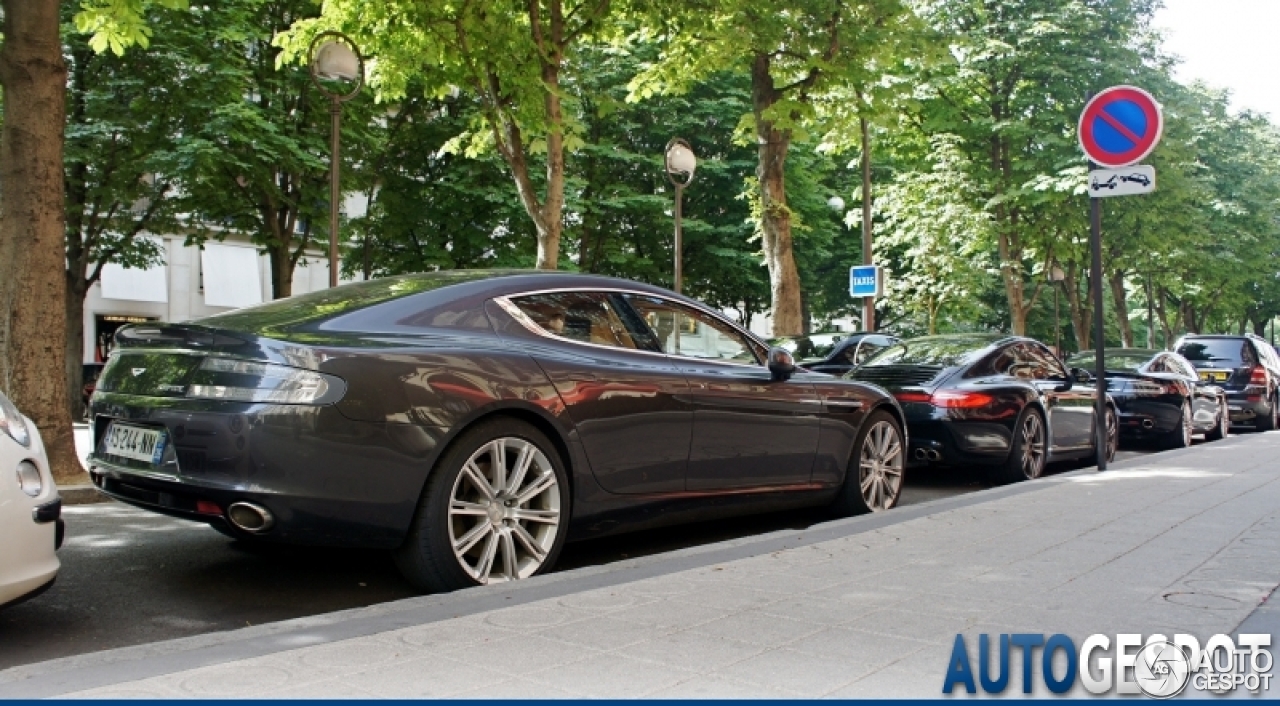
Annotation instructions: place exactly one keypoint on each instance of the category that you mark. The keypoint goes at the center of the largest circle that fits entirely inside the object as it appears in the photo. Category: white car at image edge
(31, 528)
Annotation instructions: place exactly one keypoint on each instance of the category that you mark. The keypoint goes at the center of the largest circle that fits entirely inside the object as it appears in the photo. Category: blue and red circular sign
(1120, 126)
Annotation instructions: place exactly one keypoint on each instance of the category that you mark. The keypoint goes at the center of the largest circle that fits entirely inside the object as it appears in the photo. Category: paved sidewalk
(1182, 542)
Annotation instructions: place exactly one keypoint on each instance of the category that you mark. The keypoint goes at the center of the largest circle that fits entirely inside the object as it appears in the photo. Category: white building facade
(190, 283)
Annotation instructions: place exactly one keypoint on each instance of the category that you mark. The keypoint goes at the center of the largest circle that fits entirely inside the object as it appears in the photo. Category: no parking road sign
(1120, 126)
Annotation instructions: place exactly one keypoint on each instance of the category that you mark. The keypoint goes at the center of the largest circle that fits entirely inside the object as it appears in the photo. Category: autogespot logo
(1159, 667)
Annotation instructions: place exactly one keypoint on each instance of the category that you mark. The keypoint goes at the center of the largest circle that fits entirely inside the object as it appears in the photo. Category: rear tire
(1222, 427)
(1029, 451)
(1180, 438)
(877, 468)
(1268, 422)
(479, 521)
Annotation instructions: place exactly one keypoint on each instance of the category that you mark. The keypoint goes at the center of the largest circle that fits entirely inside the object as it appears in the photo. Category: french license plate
(137, 443)
(1214, 375)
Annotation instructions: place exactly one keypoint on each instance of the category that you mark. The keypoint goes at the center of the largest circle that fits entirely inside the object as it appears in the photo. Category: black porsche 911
(1004, 402)
(1160, 396)
(472, 421)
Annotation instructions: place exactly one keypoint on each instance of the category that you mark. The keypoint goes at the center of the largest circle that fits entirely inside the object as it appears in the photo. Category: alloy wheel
(1187, 429)
(1113, 434)
(1033, 451)
(880, 466)
(504, 511)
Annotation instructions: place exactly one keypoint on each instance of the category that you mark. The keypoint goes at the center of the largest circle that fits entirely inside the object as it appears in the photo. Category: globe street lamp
(679, 160)
(1056, 275)
(334, 58)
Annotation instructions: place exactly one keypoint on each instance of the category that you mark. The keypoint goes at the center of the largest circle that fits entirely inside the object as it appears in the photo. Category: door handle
(582, 377)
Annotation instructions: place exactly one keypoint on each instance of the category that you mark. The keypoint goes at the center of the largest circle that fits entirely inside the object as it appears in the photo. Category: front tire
(1029, 451)
(873, 481)
(495, 509)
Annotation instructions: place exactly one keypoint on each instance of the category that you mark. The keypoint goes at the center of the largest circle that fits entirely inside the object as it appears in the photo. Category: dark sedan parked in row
(473, 421)
(1004, 402)
(1159, 396)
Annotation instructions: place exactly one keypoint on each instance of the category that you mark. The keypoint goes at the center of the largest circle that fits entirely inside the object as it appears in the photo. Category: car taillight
(950, 399)
(1258, 376)
(232, 380)
(961, 399)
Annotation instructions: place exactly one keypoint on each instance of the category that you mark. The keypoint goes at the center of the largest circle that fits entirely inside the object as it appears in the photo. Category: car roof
(431, 299)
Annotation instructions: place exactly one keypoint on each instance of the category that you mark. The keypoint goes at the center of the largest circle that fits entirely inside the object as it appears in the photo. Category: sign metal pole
(1099, 342)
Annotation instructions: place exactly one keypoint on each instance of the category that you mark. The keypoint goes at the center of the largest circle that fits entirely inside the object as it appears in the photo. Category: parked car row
(472, 422)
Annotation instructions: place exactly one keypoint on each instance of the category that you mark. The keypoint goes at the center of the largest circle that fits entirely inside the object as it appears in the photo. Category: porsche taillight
(949, 399)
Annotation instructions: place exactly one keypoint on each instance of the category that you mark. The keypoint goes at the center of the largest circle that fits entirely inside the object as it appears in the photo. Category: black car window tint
(1045, 365)
(1217, 352)
(641, 333)
(586, 317)
(1264, 354)
(1180, 366)
(866, 350)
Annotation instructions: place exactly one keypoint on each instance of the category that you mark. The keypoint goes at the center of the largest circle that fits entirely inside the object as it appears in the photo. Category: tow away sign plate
(1126, 181)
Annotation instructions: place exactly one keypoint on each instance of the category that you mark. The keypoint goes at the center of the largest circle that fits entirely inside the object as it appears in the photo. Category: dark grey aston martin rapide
(473, 421)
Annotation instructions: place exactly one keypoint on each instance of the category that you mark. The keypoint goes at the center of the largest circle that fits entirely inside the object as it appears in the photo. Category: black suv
(1247, 367)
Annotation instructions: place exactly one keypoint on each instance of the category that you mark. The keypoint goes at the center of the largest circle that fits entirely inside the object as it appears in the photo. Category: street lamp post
(679, 160)
(334, 57)
(1056, 275)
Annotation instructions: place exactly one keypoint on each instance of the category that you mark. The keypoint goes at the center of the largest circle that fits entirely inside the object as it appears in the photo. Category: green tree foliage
(513, 58)
(794, 57)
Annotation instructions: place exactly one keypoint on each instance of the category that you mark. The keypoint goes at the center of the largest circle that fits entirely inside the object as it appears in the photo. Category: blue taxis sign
(865, 281)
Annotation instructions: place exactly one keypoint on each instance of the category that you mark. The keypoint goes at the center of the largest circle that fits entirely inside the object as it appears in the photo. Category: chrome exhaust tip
(1148, 424)
(934, 455)
(921, 455)
(251, 518)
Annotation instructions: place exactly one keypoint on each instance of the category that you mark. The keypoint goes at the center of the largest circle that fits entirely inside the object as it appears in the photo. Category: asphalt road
(130, 577)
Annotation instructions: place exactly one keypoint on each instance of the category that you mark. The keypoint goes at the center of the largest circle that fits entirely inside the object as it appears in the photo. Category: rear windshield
(276, 317)
(1230, 352)
(942, 351)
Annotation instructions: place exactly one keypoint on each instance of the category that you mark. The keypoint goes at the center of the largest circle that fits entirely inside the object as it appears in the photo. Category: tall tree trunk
(772, 147)
(32, 245)
(281, 271)
(75, 347)
(1079, 306)
(1120, 301)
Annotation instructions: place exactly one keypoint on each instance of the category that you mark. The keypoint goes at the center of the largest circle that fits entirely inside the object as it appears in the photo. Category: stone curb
(81, 495)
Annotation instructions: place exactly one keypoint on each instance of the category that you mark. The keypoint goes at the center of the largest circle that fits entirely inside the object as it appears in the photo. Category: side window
(1043, 364)
(1159, 364)
(867, 348)
(586, 317)
(1265, 354)
(680, 330)
(1180, 366)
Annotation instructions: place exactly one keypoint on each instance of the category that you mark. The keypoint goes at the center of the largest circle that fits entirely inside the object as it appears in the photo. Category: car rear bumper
(947, 443)
(1247, 408)
(325, 479)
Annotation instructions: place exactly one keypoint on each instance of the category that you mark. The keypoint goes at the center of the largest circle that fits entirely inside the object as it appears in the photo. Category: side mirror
(781, 364)
(1081, 376)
